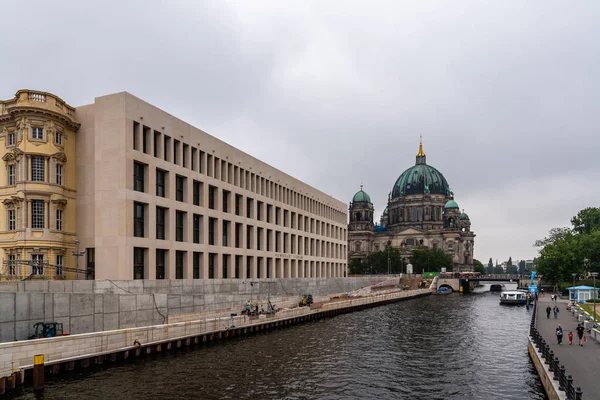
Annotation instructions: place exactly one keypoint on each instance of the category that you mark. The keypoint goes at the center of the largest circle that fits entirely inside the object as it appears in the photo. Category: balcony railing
(47, 101)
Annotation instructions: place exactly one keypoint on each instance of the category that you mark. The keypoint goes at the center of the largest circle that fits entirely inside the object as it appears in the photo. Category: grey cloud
(505, 94)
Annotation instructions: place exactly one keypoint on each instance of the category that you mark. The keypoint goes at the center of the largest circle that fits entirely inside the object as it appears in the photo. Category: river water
(437, 347)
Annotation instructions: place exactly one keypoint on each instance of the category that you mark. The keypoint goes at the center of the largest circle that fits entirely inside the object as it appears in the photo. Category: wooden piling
(38, 372)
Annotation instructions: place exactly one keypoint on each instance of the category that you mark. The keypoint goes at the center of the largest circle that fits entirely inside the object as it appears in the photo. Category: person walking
(559, 334)
(548, 311)
(580, 329)
(555, 312)
(570, 337)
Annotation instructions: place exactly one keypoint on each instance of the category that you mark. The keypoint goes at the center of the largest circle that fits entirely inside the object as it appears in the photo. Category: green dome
(361, 197)
(385, 212)
(420, 179)
(464, 216)
(450, 204)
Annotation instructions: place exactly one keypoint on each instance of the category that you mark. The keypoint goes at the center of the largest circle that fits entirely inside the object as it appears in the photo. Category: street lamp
(77, 254)
(574, 275)
(595, 274)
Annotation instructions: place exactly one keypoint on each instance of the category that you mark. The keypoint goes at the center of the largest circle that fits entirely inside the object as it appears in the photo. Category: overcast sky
(505, 93)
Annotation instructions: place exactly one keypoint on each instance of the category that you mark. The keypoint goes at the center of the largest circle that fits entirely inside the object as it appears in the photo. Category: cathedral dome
(450, 204)
(361, 197)
(421, 179)
(464, 216)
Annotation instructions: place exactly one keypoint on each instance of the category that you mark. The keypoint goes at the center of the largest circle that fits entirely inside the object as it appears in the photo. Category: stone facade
(151, 197)
(421, 213)
(37, 186)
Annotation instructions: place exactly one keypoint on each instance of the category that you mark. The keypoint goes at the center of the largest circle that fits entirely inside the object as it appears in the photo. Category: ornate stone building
(421, 213)
(37, 185)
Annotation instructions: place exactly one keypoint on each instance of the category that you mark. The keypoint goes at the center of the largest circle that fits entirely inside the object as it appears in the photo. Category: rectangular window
(176, 152)
(166, 147)
(90, 254)
(59, 264)
(225, 233)
(11, 139)
(38, 169)
(211, 231)
(146, 140)
(156, 143)
(196, 185)
(37, 264)
(179, 188)
(160, 222)
(238, 204)
(160, 263)
(211, 197)
(196, 228)
(161, 182)
(186, 148)
(277, 212)
(11, 174)
(138, 263)
(59, 174)
(138, 176)
(226, 197)
(59, 220)
(269, 233)
(138, 219)
(196, 267)
(37, 214)
(249, 230)
(37, 133)
(269, 211)
(12, 220)
(225, 266)
(179, 263)
(179, 222)
(238, 235)
(211, 265)
(259, 233)
(136, 135)
(12, 265)
(259, 207)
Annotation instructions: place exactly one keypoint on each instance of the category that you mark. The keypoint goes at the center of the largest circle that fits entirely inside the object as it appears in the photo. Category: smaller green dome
(464, 216)
(385, 212)
(361, 197)
(451, 204)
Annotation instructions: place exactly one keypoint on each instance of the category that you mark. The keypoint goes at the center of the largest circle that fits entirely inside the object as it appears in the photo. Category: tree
(522, 269)
(510, 268)
(356, 266)
(430, 260)
(498, 269)
(478, 267)
(586, 221)
(490, 267)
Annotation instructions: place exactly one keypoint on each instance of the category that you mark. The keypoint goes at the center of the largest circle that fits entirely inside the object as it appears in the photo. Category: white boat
(513, 297)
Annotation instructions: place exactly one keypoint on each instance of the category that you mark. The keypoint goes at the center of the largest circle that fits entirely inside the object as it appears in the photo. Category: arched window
(358, 215)
(357, 246)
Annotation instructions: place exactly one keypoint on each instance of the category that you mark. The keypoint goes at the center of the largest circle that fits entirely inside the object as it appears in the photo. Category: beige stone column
(188, 266)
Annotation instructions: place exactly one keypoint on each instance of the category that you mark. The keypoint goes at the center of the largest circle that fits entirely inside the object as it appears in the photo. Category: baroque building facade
(421, 213)
(147, 196)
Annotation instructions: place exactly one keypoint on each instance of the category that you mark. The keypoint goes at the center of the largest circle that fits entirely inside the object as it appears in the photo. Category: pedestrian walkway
(583, 363)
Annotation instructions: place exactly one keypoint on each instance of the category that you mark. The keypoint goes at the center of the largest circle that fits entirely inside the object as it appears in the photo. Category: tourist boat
(513, 297)
(443, 290)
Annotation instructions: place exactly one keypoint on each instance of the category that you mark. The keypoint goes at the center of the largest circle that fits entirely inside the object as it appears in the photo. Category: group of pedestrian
(554, 297)
(549, 309)
(250, 306)
(580, 330)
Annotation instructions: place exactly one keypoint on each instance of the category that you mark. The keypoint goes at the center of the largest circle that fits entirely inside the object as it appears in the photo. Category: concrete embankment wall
(550, 385)
(94, 306)
(16, 356)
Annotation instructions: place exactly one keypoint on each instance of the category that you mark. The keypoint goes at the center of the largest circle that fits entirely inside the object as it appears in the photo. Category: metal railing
(565, 382)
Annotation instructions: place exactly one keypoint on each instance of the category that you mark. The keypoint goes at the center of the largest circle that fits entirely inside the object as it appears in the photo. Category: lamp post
(574, 275)
(594, 275)
(77, 254)
(389, 243)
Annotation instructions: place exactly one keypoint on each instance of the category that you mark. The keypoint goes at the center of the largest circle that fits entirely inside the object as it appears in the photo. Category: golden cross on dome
(421, 153)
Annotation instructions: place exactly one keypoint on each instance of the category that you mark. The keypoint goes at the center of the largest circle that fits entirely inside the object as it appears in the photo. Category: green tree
(522, 269)
(586, 221)
(490, 267)
(510, 268)
(356, 266)
(430, 260)
(498, 269)
(478, 267)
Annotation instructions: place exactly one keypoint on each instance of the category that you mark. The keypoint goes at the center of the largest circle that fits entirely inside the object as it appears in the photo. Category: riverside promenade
(582, 363)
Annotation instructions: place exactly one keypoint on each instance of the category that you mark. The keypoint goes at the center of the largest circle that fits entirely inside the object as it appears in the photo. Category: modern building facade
(153, 197)
(421, 213)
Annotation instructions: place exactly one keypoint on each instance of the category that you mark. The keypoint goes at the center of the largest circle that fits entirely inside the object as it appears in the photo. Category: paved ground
(583, 363)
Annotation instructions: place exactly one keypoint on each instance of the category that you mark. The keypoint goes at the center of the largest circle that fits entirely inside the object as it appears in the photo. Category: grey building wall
(92, 306)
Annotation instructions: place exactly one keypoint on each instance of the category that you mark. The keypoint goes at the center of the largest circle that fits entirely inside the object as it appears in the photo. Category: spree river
(437, 347)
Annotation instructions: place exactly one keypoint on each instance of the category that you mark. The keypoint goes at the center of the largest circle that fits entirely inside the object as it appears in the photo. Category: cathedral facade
(421, 213)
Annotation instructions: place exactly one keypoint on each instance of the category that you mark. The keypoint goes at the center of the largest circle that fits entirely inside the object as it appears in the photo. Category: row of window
(38, 216)
(37, 133)
(304, 269)
(37, 265)
(274, 240)
(262, 212)
(197, 160)
(38, 171)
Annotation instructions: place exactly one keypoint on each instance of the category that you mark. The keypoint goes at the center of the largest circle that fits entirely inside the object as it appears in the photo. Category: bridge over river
(467, 282)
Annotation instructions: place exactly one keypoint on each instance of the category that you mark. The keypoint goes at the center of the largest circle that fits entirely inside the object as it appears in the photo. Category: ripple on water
(440, 347)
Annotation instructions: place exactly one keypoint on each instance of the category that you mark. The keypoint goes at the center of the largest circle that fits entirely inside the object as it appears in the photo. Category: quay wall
(550, 385)
(17, 356)
(94, 306)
